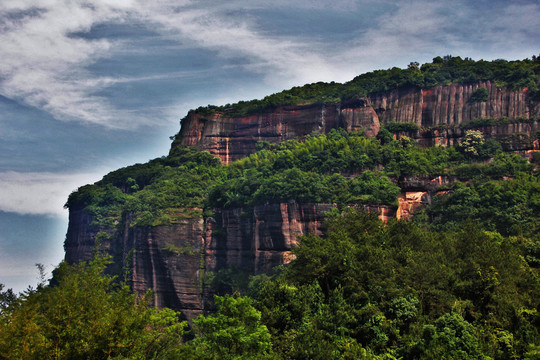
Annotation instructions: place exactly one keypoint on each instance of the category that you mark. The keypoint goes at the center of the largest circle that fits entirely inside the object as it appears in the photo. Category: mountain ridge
(179, 217)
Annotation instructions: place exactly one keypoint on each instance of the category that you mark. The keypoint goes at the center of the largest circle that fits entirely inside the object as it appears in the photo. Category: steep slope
(170, 222)
(438, 111)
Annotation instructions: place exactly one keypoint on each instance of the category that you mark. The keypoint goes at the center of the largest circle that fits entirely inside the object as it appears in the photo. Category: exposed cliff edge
(438, 112)
(232, 138)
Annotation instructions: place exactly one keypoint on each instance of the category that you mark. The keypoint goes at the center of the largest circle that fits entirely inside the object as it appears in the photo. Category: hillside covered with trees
(441, 71)
(461, 280)
(458, 280)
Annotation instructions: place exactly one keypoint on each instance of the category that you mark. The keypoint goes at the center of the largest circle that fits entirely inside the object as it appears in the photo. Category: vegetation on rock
(441, 71)
(461, 280)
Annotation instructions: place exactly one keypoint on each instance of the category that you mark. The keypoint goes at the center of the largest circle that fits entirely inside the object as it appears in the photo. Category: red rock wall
(231, 138)
(450, 104)
(260, 238)
(174, 276)
(82, 234)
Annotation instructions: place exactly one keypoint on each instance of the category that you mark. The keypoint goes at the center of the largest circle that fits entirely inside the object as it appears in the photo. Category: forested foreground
(459, 281)
(368, 290)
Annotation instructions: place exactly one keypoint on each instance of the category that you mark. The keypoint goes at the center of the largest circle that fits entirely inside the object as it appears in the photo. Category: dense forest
(441, 71)
(460, 280)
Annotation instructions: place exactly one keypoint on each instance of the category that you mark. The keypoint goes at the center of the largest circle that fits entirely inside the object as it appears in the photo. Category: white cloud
(420, 30)
(45, 66)
(40, 193)
(284, 60)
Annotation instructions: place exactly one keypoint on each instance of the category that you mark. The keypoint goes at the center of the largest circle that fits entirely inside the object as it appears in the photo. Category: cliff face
(260, 238)
(166, 259)
(439, 111)
(231, 138)
(450, 104)
(172, 260)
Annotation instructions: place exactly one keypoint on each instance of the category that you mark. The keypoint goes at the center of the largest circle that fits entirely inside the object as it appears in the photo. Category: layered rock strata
(438, 111)
(171, 260)
(231, 138)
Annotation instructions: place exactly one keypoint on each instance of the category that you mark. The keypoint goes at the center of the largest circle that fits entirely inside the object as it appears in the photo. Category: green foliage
(399, 290)
(451, 69)
(397, 127)
(507, 206)
(234, 331)
(160, 192)
(479, 95)
(451, 337)
(340, 168)
(471, 144)
(483, 122)
(180, 250)
(87, 316)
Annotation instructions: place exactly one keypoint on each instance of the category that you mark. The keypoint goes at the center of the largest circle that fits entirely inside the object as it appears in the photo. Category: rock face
(168, 259)
(450, 104)
(438, 111)
(172, 259)
(260, 238)
(231, 138)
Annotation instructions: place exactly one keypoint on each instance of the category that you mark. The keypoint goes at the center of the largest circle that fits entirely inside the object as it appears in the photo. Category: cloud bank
(46, 55)
(40, 193)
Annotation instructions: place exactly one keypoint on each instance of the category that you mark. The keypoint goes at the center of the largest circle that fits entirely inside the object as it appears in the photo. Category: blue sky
(90, 86)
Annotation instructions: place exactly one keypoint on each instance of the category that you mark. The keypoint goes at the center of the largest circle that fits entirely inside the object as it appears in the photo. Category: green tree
(234, 331)
(451, 337)
(479, 95)
(86, 315)
(471, 143)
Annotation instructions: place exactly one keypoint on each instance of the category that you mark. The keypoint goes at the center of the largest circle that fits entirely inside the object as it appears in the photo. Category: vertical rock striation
(439, 110)
(450, 104)
(231, 138)
(259, 238)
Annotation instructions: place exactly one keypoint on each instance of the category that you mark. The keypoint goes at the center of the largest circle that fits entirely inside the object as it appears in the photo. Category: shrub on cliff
(479, 95)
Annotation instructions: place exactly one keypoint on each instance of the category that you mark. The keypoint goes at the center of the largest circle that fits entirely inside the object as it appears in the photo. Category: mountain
(242, 181)
(442, 113)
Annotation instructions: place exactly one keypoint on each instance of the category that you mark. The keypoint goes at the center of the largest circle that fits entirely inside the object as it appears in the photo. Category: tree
(234, 331)
(471, 144)
(451, 337)
(479, 95)
(87, 315)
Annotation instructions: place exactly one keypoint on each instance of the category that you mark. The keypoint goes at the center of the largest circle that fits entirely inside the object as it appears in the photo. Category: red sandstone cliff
(172, 259)
(231, 138)
(439, 110)
(449, 104)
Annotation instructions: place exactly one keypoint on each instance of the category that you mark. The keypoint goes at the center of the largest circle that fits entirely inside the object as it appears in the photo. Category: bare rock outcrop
(438, 111)
(231, 138)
